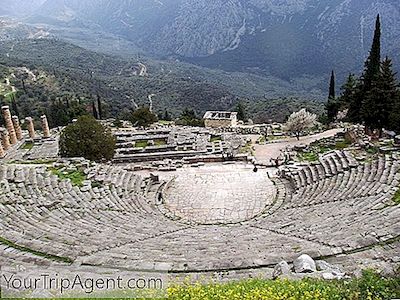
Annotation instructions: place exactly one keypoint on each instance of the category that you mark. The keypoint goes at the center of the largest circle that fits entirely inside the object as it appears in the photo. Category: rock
(322, 265)
(86, 188)
(333, 275)
(304, 264)
(282, 268)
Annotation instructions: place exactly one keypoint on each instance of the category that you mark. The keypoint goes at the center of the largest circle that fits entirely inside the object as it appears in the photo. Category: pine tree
(371, 72)
(378, 109)
(332, 107)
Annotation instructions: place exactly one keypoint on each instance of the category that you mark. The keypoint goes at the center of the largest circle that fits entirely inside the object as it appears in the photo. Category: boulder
(304, 264)
(280, 269)
(322, 265)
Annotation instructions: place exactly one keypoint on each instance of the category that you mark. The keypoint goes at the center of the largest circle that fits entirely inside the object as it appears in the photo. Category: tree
(189, 118)
(371, 72)
(373, 63)
(14, 105)
(300, 121)
(61, 114)
(143, 117)
(348, 91)
(378, 109)
(167, 117)
(87, 138)
(332, 106)
(94, 110)
(332, 91)
(241, 112)
(100, 109)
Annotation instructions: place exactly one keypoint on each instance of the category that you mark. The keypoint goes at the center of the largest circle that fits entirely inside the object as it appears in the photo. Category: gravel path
(264, 153)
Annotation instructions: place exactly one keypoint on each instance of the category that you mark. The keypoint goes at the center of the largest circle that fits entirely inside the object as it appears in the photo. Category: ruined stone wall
(218, 123)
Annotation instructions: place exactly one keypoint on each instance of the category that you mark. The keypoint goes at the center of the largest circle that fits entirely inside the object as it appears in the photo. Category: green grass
(247, 149)
(28, 146)
(160, 142)
(340, 145)
(141, 144)
(308, 156)
(77, 177)
(373, 150)
(8, 243)
(319, 147)
(396, 197)
(262, 139)
(215, 138)
(276, 137)
(163, 122)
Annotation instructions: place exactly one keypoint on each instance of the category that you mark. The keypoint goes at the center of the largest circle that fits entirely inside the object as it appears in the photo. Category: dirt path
(264, 153)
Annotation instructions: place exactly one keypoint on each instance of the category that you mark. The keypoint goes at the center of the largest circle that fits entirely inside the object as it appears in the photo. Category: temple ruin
(218, 119)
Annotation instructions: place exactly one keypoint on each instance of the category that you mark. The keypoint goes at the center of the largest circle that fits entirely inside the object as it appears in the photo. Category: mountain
(19, 7)
(285, 38)
(64, 71)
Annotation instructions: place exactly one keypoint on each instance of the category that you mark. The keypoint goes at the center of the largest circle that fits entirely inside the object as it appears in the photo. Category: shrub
(89, 139)
(370, 286)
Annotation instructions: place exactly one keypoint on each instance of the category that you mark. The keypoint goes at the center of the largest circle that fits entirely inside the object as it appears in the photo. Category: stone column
(5, 140)
(9, 124)
(17, 127)
(45, 127)
(2, 152)
(31, 127)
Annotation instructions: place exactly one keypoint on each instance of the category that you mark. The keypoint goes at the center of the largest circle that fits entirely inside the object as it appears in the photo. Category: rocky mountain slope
(280, 37)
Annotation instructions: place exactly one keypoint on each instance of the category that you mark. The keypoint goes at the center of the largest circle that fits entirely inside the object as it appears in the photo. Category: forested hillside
(45, 72)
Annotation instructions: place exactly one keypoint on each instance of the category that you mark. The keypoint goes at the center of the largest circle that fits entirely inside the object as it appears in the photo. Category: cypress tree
(378, 110)
(332, 92)
(14, 105)
(332, 107)
(100, 112)
(373, 63)
(95, 114)
(166, 117)
(371, 72)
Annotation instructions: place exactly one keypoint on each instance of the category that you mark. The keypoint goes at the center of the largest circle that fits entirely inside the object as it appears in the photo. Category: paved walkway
(264, 153)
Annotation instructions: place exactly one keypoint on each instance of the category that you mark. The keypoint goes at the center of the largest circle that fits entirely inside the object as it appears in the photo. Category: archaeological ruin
(220, 119)
(188, 200)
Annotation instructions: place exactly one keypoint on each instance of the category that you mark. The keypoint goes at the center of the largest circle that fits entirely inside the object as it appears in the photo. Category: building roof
(220, 115)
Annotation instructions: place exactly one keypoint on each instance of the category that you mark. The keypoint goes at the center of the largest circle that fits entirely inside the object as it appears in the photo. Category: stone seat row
(348, 225)
(41, 211)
